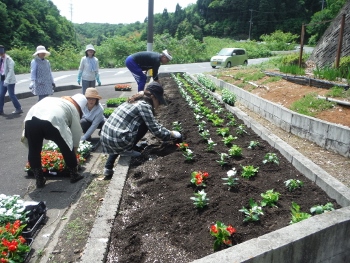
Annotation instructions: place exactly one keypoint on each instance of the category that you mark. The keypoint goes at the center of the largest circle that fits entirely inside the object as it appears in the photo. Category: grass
(271, 79)
(310, 105)
(338, 92)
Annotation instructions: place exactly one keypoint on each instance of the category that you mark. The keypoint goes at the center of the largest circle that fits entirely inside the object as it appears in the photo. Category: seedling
(177, 126)
(319, 209)
(231, 179)
(223, 131)
(229, 139)
(293, 184)
(249, 171)
(200, 199)
(205, 134)
(235, 151)
(270, 198)
(241, 129)
(271, 158)
(253, 144)
(298, 216)
(211, 145)
(223, 157)
(253, 213)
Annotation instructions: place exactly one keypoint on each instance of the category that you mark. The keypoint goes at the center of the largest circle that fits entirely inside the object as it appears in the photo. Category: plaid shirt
(119, 131)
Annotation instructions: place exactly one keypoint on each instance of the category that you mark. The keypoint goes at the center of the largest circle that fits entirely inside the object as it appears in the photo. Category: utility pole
(71, 11)
(250, 21)
(150, 25)
(322, 4)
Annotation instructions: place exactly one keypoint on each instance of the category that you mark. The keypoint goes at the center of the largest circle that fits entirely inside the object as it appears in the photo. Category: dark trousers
(85, 125)
(140, 134)
(36, 131)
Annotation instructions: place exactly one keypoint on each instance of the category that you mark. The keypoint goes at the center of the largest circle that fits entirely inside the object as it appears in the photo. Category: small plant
(293, 184)
(253, 144)
(217, 122)
(223, 157)
(223, 131)
(298, 216)
(189, 155)
(222, 233)
(235, 151)
(249, 171)
(271, 158)
(200, 199)
(319, 209)
(182, 146)
(231, 178)
(211, 145)
(241, 129)
(270, 198)
(198, 178)
(253, 213)
(205, 134)
(201, 125)
(177, 126)
(229, 139)
(228, 97)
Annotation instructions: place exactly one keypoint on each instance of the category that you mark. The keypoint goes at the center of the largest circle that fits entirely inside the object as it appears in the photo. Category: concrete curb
(322, 238)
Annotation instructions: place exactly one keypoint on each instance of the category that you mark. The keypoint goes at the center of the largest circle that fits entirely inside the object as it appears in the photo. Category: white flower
(232, 172)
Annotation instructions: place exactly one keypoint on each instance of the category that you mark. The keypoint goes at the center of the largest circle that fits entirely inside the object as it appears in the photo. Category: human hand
(31, 85)
(176, 134)
(78, 82)
(99, 83)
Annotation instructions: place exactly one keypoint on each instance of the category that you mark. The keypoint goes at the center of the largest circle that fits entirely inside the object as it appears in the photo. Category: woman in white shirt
(93, 117)
(88, 69)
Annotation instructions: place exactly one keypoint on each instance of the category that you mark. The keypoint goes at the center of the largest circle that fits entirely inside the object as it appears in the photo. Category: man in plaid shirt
(130, 122)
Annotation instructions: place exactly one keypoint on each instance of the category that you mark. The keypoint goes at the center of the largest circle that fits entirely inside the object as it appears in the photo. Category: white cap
(166, 53)
(90, 47)
(80, 99)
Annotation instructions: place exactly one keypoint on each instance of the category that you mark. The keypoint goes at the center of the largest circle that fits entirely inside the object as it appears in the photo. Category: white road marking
(63, 77)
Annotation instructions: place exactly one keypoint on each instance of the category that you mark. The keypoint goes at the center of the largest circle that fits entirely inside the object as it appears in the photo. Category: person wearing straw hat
(58, 120)
(42, 83)
(142, 61)
(89, 69)
(129, 123)
(93, 117)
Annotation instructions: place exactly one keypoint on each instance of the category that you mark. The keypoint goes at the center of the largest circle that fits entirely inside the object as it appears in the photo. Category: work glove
(53, 86)
(98, 79)
(176, 134)
(31, 85)
(79, 78)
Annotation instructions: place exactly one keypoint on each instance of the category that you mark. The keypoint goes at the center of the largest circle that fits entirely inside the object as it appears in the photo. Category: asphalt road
(13, 154)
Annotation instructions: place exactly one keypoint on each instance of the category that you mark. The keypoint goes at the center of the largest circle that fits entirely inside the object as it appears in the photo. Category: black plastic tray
(29, 232)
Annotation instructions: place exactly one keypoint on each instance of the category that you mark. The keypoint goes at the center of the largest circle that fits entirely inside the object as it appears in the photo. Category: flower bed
(215, 189)
(52, 161)
(122, 87)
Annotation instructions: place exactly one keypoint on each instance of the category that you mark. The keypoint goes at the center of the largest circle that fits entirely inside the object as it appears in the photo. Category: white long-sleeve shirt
(95, 116)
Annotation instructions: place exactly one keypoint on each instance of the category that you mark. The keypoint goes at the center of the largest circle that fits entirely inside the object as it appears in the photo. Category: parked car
(229, 57)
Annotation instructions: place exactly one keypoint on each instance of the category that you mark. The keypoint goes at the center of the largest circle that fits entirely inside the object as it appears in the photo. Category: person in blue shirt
(142, 61)
(93, 117)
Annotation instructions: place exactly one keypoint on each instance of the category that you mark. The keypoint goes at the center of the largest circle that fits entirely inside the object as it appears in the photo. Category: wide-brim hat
(41, 49)
(157, 90)
(80, 99)
(167, 54)
(92, 93)
(90, 47)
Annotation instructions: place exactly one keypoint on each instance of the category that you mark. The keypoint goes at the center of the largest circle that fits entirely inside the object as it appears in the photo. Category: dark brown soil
(157, 221)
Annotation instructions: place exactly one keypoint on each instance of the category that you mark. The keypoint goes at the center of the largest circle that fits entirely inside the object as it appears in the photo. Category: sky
(114, 12)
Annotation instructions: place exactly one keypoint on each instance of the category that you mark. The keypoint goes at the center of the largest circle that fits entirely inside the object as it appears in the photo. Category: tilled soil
(157, 220)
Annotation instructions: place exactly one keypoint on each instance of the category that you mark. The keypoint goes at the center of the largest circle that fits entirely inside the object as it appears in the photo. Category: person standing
(88, 69)
(93, 117)
(58, 120)
(129, 123)
(8, 81)
(144, 61)
(42, 83)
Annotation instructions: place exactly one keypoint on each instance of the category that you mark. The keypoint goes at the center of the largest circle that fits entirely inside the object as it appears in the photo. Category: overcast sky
(114, 12)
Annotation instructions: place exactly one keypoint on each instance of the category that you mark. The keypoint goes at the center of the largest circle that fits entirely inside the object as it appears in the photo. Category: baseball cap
(157, 90)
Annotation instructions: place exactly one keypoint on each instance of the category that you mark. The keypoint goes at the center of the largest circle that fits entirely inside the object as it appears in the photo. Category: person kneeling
(93, 117)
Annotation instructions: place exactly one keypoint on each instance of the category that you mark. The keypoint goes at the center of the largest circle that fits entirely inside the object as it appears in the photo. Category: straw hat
(41, 49)
(92, 93)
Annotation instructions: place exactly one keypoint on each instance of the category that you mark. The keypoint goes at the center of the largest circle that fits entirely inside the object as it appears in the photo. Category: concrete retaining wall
(330, 136)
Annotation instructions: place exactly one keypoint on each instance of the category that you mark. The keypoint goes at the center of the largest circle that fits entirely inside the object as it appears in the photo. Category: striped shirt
(119, 131)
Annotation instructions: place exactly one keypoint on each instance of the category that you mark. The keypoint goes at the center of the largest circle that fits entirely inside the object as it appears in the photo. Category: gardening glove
(98, 79)
(53, 86)
(176, 134)
(79, 78)
(31, 85)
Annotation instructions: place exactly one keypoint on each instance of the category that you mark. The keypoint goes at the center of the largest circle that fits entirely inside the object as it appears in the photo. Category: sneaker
(17, 111)
(130, 153)
(108, 172)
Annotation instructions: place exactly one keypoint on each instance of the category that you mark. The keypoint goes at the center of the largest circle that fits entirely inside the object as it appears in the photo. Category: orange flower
(214, 229)
(231, 229)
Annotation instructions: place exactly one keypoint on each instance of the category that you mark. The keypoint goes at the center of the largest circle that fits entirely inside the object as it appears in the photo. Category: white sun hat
(41, 49)
(166, 53)
(90, 47)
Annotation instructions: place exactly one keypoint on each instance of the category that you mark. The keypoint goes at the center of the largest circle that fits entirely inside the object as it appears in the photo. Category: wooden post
(340, 43)
(301, 44)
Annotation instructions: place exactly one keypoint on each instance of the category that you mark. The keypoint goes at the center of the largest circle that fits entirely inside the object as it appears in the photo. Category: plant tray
(122, 89)
(29, 254)
(34, 229)
(50, 173)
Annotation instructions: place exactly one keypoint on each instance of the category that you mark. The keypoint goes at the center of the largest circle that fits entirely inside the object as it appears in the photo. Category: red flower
(3, 260)
(214, 229)
(228, 242)
(22, 239)
(231, 229)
